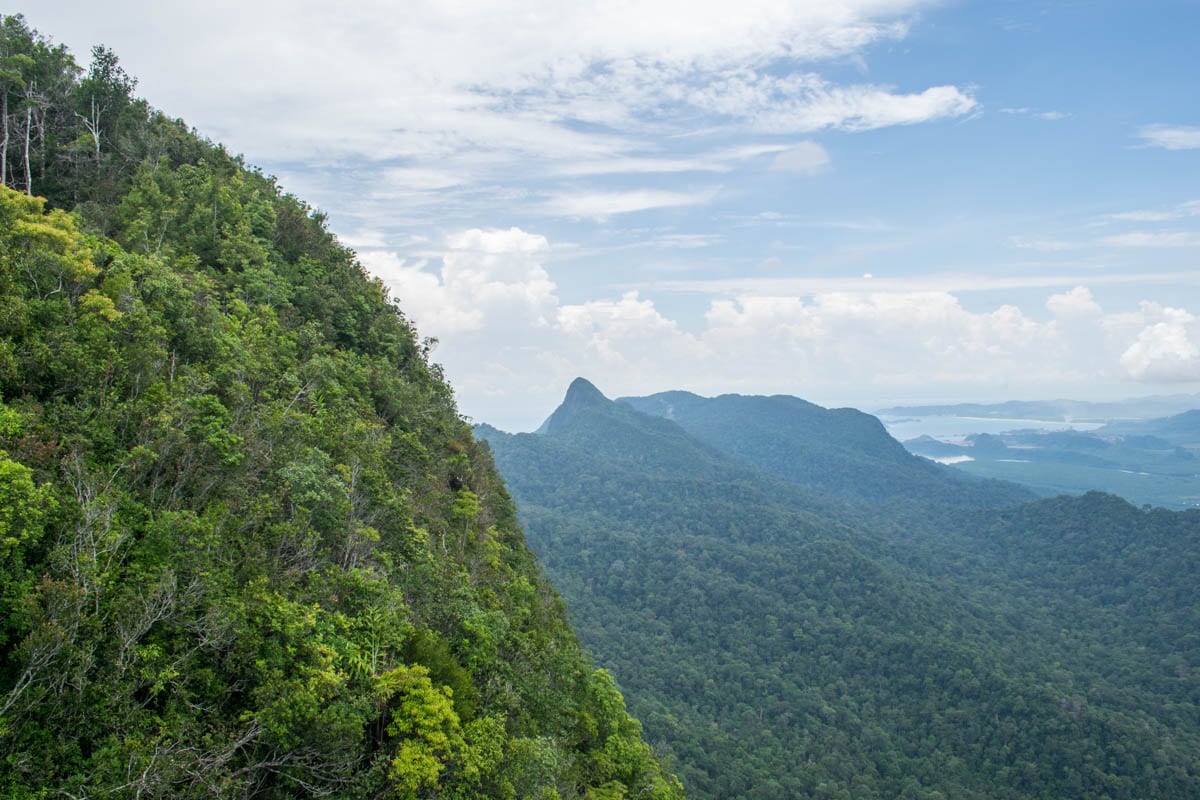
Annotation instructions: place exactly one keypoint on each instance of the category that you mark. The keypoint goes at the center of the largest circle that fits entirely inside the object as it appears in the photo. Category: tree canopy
(248, 547)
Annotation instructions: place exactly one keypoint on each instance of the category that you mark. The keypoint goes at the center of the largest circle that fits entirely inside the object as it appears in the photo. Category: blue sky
(862, 203)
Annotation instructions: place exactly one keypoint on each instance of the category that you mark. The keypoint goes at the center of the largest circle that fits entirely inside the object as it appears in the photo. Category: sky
(864, 203)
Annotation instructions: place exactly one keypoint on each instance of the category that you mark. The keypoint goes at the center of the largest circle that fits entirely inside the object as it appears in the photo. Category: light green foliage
(247, 544)
(427, 729)
(23, 507)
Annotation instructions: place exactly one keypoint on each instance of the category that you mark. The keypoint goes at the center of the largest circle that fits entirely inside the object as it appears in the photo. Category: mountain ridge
(782, 642)
(844, 452)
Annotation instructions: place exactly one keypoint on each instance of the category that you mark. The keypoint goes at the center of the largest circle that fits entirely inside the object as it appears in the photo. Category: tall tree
(103, 94)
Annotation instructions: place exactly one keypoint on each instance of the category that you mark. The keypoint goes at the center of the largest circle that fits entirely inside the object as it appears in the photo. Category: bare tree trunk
(28, 127)
(95, 128)
(92, 125)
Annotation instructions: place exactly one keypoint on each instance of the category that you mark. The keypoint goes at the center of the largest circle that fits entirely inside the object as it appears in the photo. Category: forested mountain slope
(782, 644)
(247, 545)
(840, 451)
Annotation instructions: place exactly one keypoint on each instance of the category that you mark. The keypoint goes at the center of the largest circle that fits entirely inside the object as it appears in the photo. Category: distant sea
(956, 429)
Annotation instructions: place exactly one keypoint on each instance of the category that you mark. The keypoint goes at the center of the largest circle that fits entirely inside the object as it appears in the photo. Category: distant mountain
(607, 458)
(841, 451)
(1144, 461)
(777, 641)
(1180, 429)
(1056, 410)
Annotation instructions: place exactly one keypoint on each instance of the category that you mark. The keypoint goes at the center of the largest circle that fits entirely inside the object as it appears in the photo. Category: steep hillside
(247, 545)
(781, 644)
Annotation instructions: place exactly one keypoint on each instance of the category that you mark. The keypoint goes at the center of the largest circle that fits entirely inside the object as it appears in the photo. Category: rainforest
(251, 547)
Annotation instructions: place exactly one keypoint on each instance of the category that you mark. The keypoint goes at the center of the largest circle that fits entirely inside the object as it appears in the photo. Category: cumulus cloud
(490, 277)
(873, 338)
(1076, 303)
(1165, 351)
(1157, 343)
(628, 332)
(511, 343)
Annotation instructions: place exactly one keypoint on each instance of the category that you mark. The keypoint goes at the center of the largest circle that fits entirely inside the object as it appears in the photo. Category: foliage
(841, 451)
(247, 544)
(778, 643)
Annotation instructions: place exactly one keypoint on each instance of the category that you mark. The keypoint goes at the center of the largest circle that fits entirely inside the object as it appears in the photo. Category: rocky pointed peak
(581, 395)
(583, 392)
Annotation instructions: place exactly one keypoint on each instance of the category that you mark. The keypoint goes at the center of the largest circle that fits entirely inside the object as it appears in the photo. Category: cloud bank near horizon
(506, 333)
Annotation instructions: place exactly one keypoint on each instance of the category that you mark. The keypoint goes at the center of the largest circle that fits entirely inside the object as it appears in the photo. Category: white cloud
(1181, 211)
(420, 178)
(1044, 244)
(487, 278)
(626, 332)
(479, 92)
(1171, 137)
(949, 282)
(601, 205)
(802, 157)
(1154, 239)
(1128, 239)
(1078, 302)
(872, 339)
(1024, 111)
(722, 160)
(1165, 351)
(510, 344)
(803, 103)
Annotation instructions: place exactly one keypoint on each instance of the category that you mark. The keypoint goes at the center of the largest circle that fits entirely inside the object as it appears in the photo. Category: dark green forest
(248, 546)
(881, 629)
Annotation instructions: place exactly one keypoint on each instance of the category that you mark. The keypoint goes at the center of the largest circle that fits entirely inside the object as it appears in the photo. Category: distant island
(1051, 410)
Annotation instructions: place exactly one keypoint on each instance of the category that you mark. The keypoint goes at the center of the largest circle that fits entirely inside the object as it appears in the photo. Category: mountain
(248, 547)
(780, 642)
(581, 396)
(1180, 429)
(843, 452)
(1146, 461)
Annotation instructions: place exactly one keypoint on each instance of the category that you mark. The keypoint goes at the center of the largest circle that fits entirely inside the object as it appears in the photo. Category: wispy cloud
(1154, 239)
(1129, 239)
(602, 205)
(1044, 244)
(435, 112)
(1171, 137)
(1169, 214)
(805, 103)
(1023, 111)
(949, 282)
(719, 160)
(803, 157)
